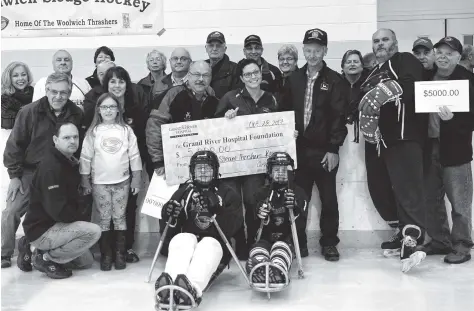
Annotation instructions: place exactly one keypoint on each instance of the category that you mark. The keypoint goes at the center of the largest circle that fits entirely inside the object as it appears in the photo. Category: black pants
(248, 186)
(404, 164)
(306, 175)
(380, 186)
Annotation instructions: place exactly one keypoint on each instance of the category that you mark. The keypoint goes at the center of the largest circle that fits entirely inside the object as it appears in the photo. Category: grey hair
(288, 49)
(58, 77)
(466, 51)
(163, 57)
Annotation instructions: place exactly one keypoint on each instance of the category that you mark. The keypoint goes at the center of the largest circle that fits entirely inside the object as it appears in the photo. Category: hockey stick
(160, 245)
(229, 247)
(294, 233)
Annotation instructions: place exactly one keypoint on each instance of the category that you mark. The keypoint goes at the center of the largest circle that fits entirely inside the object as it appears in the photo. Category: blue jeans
(456, 183)
(65, 243)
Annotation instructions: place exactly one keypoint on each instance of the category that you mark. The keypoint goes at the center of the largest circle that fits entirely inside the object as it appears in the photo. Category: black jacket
(179, 105)
(93, 80)
(456, 134)
(241, 99)
(326, 130)
(11, 104)
(406, 69)
(271, 78)
(278, 227)
(224, 76)
(33, 133)
(54, 195)
(223, 201)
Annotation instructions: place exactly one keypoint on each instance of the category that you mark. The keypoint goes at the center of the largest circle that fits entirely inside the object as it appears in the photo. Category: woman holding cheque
(251, 99)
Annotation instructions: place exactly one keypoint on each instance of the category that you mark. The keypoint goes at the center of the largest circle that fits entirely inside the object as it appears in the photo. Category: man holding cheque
(449, 169)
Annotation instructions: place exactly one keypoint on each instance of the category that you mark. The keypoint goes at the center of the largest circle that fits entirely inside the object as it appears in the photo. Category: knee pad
(281, 254)
(260, 251)
(183, 240)
(211, 245)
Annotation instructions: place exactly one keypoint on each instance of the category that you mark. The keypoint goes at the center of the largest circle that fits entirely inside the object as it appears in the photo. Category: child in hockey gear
(409, 255)
(195, 253)
(276, 199)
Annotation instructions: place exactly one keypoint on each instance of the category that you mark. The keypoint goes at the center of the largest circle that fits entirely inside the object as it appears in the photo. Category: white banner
(157, 195)
(430, 95)
(242, 144)
(81, 18)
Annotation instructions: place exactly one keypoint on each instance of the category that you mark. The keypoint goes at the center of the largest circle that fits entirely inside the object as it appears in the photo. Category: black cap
(452, 42)
(252, 39)
(422, 42)
(316, 36)
(215, 36)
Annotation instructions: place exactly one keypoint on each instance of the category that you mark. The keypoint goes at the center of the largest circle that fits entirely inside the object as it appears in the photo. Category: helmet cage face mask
(204, 168)
(280, 174)
(203, 174)
(278, 165)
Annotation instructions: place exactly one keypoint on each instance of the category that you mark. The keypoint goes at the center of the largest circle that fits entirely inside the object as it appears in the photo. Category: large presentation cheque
(242, 144)
(431, 95)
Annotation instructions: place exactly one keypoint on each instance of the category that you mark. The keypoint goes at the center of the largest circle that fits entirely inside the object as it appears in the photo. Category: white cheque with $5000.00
(242, 144)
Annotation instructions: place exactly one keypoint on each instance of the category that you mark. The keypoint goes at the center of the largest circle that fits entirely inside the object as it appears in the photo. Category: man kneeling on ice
(198, 251)
(276, 199)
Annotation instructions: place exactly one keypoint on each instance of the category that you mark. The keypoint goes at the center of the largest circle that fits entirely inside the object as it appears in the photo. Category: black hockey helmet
(279, 158)
(204, 157)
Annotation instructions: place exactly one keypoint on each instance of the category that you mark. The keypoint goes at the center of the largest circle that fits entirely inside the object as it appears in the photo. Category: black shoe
(120, 251)
(131, 256)
(51, 269)
(330, 253)
(304, 252)
(431, 249)
(181, 298)
(23, 260)
(6, 262)
(410, 256)
(105, 245)
(393, 245)
(163, 296)
(457, 258)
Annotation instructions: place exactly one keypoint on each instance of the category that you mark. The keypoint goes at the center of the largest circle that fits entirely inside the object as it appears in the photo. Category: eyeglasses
(200, 75)
(60, 93)
(288, 59)
(248, 75)
(181, 59)
(105, 108)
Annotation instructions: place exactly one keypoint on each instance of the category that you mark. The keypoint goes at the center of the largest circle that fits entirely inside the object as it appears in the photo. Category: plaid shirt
(308, 98)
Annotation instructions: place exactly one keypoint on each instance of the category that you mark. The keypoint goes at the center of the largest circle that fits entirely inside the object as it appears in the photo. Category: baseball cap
(452, 42)
(216, 36)
(422, 42)
(253, 39)
(316, 36)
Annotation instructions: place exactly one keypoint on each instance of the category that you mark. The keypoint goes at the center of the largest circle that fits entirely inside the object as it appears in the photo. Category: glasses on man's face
(286, 60)
(249, 75)
(180, 59)
(110, 108)
(198, 75)
(60, 93)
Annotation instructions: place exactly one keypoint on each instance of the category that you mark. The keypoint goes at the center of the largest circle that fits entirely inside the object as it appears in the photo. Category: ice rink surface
(362, 280)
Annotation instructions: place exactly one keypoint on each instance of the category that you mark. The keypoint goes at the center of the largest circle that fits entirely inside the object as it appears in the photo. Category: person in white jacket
(62, 63)
(108, 153)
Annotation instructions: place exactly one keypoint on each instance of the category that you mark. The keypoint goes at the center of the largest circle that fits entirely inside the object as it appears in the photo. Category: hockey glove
(263, 211)
(289, 199)
(173, 209)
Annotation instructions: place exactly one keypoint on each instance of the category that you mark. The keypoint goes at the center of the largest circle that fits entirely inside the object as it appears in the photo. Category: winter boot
(393, 245)
(409, 255)
(181, 298)
(105, 244)
(120, 250)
